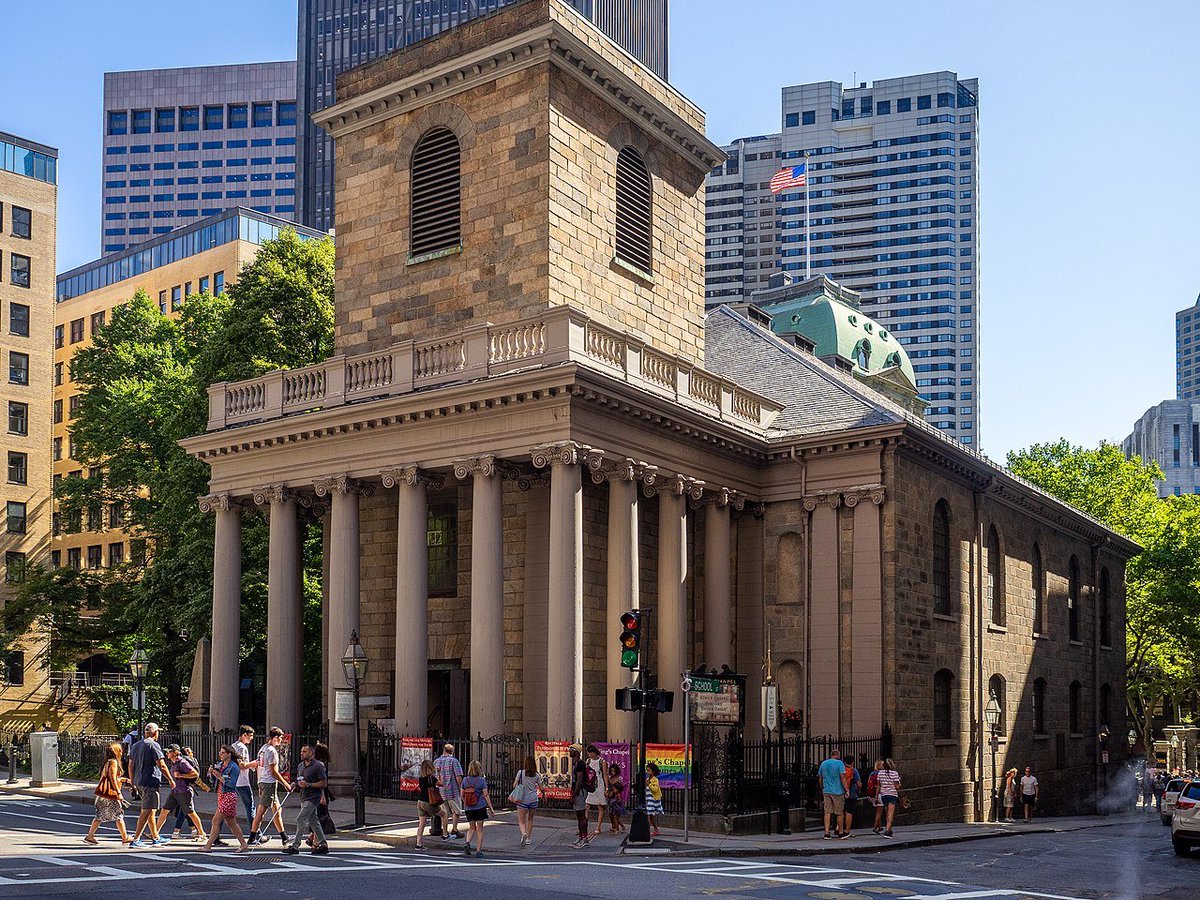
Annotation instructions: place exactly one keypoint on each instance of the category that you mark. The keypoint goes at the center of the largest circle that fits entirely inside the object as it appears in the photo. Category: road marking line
(40, 819)
(58, 861)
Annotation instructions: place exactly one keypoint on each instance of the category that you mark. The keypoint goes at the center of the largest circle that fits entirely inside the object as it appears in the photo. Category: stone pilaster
(284, 621)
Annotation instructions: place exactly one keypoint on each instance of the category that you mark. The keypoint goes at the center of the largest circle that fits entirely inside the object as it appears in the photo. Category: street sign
(770, 706)
(343, 707)
(139, 699)
(995, 742)
(718, 699)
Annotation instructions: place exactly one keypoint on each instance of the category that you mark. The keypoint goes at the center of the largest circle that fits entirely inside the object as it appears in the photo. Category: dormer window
(862, 354)
(436, 223)
(635, 211)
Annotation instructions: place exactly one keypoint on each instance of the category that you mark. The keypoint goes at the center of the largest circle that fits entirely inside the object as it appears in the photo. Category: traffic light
(631, 638)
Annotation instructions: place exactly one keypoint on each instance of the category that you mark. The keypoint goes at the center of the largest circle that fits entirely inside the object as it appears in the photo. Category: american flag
(793, 176)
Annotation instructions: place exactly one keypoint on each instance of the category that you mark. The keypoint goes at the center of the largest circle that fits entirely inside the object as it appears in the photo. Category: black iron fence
(730, 775)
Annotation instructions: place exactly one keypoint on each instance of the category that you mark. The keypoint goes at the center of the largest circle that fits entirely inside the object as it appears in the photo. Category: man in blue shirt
(150, 768)
(832, 773)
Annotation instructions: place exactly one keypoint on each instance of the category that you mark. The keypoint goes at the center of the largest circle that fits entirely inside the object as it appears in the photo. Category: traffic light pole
(639, 824)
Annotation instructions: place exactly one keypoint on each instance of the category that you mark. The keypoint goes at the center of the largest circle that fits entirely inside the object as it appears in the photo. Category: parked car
(1185, 820)
(1170, 795)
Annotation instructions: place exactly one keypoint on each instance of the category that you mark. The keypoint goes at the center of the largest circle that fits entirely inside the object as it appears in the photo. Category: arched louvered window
(1039, 597)
(1105, 611)
(943, 704)
(995, 579)
(436, 222)
(1039, 706)
(1073, 584)
(635, 211)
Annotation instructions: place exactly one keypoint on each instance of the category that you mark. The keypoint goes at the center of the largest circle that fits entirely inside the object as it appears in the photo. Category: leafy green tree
(143, 387)
(1162, 582)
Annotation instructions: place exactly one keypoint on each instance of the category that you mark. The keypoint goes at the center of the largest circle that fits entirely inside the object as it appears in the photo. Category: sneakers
(283, 838)
(888, 834)
(291, 851)
(846, 835)
(479, 854)
(828, 837)
(579, 844)
(220, 843)
(139, 843)
(654, 833)
(526, 841)
(252, 840)
(467, 850)
(161, 842)
(453, 836)
(175, 834)
(876, 831)
(323, 850)
(418, 846)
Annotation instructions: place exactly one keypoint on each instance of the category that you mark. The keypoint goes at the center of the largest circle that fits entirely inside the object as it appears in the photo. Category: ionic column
(284, 623)
(487, 593)
(564, 617)
(343, 610)
(412, 597)
(622, 584)
(224, 672)
(718, 606)
(671, 631)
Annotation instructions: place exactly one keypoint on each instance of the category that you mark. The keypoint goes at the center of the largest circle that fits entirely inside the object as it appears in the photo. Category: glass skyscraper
(336, 35)
(893, 183)
(184, 144)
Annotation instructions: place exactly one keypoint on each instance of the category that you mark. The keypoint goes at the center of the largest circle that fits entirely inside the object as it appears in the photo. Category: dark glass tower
(336, 35)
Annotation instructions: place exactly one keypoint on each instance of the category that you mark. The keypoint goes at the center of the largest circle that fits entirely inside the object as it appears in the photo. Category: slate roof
(817, 397)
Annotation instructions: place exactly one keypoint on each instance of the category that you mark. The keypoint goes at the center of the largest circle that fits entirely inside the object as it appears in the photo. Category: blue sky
(1089, 203)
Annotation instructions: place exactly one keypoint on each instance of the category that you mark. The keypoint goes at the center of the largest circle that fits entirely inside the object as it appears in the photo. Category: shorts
(1029, 799)
(180, 802)
(452, 806)
(424, 809)
(150, 798)
(532, 805)
(835, 804)
(476, 815)
(268, 793)
(889, 800)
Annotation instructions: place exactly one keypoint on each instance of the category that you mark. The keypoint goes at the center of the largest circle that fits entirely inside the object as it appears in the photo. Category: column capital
(219, 502)
(561, 453)
(723, 497)
(410, 476)
(876, 493)
(485, 465)
(341, 484)
(832, 499)
(605, 467)
(279, 493)
(524, 476)
(655, 481)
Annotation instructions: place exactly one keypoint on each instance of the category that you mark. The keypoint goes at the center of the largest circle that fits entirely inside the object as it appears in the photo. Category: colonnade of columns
(567, 464)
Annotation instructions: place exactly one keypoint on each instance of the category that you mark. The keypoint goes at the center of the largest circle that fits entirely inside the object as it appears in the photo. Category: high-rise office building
(183, 144)
(1169, 434)
(1187, 352)
(335, 35)
(200, 257)
(893, 183)
(28, 224)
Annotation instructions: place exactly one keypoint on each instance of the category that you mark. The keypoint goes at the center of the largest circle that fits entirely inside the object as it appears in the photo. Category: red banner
(413, 751)
(553, 760)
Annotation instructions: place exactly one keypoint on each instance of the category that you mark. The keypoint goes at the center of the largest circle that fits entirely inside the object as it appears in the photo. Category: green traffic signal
(629, 659)
(630, 638)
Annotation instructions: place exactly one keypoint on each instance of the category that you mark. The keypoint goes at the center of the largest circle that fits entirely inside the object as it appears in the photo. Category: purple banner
(621, 755)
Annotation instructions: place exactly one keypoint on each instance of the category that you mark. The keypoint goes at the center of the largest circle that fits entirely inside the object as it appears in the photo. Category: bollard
(12, 763)
(785, 807)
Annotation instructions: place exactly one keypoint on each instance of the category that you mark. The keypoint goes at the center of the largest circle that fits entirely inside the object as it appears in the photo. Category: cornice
(549, 42)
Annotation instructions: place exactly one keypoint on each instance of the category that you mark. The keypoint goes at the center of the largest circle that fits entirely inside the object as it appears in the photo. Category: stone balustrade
(562, 334)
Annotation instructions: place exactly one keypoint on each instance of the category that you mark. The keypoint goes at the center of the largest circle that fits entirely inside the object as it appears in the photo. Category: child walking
(654, 807)
(616, 803)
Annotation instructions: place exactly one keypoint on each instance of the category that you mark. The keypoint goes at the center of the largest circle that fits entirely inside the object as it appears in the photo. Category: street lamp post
(139, 665)
(354, 664)
(991, 715)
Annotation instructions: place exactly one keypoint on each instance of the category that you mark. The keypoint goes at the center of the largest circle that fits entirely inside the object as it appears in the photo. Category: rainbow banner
(671, 760)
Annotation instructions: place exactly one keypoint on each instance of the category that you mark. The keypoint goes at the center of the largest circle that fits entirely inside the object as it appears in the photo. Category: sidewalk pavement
(394, 823)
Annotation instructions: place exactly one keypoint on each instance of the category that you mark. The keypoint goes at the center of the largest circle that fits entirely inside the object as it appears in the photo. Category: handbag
(434, 796)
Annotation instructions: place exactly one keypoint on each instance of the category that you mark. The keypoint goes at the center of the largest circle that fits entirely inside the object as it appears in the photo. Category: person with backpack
(526, 789)
(873, 796)
(596, 782)
(476, 804)
(853, 782)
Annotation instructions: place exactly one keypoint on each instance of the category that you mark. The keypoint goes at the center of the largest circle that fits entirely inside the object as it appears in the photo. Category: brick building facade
(532, 429)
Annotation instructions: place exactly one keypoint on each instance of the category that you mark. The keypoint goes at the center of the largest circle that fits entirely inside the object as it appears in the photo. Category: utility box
(43, 758)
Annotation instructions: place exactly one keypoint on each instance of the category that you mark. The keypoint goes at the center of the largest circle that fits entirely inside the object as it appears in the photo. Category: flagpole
(807, 221)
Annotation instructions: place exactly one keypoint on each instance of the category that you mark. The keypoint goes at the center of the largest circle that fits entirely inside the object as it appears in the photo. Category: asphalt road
(42, 855)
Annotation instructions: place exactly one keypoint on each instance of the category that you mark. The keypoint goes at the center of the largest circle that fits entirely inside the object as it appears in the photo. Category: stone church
(531, 425)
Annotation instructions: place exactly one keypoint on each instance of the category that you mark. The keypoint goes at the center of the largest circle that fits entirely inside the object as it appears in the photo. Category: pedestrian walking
(889, 794)
(1010, 793)
(873, 796)
(654, 806)
(429, 800)
(311, 779)
(477, 805)
(180, 799)
(321, 751)
(1030, 792)
(597, 788)
(450, 776)
(270, 780)
(579, 792)
(241, 753)
(1160, 788)
(853, 782)
(616, 799)
(110, 805)
(832, 773)
(525, 794)
(226, 774)
(151, 767)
